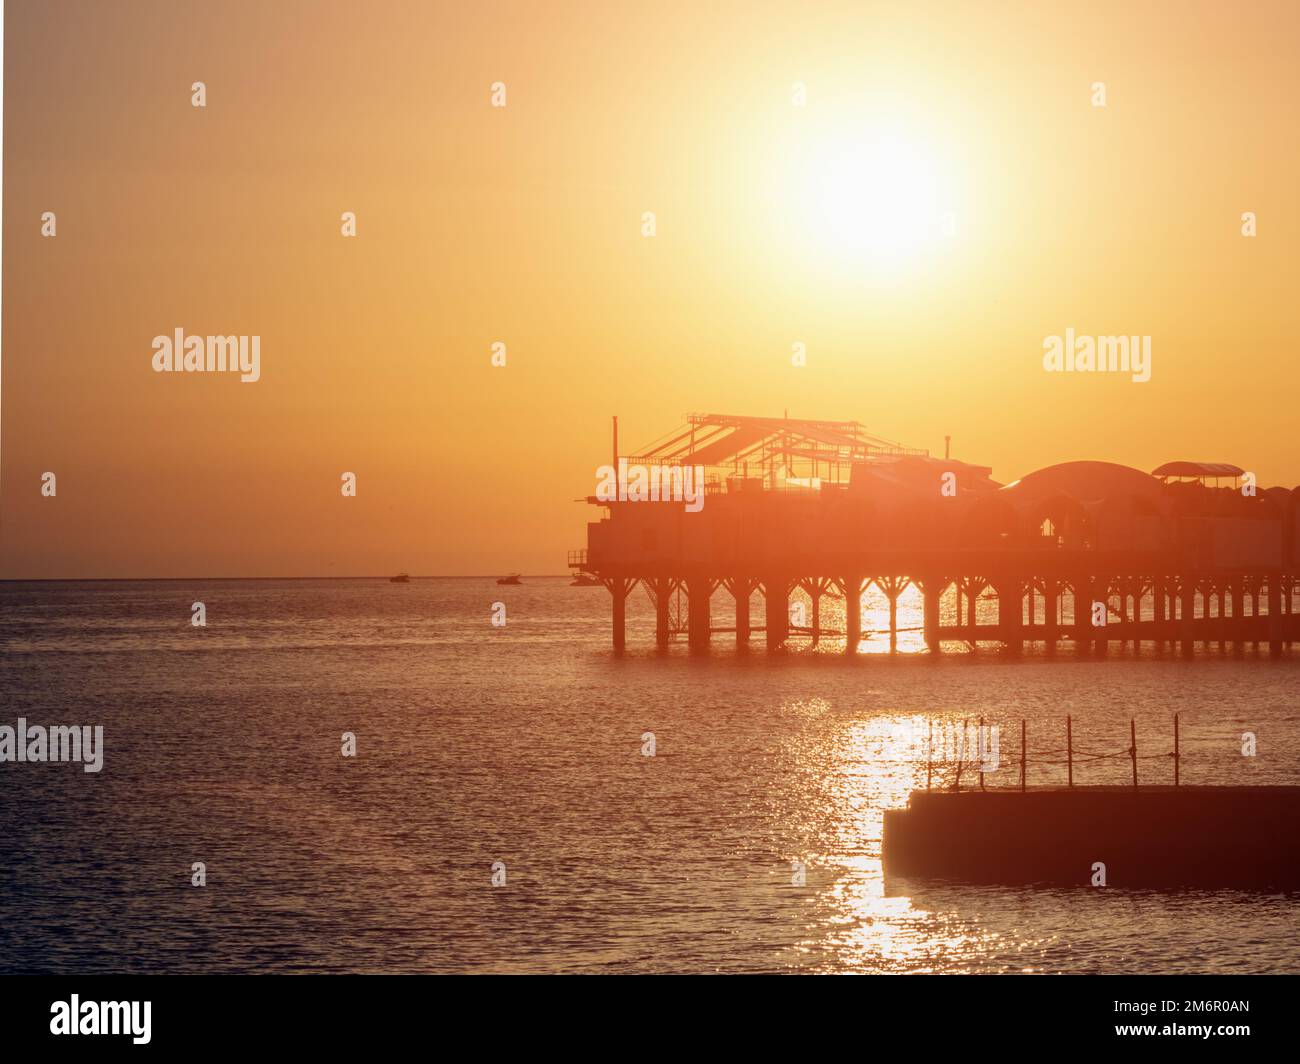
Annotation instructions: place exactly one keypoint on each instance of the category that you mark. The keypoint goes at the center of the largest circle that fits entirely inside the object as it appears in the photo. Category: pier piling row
(1089, 611)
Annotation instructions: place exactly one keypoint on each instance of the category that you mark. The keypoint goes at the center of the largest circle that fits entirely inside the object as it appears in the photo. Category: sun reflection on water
(856, 918)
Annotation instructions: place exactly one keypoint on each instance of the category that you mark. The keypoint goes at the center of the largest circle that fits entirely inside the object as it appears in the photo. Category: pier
(1085, 554)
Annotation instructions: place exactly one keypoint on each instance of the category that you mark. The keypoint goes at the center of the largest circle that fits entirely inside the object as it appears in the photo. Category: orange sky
(523, 224)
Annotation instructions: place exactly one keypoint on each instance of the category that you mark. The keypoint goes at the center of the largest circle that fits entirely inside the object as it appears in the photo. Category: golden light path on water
(861, 922)
(875, 766)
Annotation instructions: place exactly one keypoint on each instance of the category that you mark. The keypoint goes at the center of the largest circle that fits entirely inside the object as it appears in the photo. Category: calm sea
(524, 745)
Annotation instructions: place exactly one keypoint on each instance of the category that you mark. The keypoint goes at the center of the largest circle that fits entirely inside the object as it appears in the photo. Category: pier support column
(742, 614)
(1140, 630)
(851, 586)
(1187, 622)
(618, 589)
(1126, 598)
(1125, 611)
(776, 600)
(931, 592)
(1101, 632)
(620, 619)
(973, 588)
(893, 586)
(1275, 615)
(1105, 633)
(1238, 616)
(699, 591)
(1051, 591)
(1135, 614)
(1158, 593)
(1011, 616)
(741, 587)
(1083, 630)
(1255, 611)
(893, 623)
(1288, 609)
(661, 592)
(816, 587)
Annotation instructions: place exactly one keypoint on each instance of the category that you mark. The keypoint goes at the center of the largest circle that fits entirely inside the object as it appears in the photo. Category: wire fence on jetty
(987, 757)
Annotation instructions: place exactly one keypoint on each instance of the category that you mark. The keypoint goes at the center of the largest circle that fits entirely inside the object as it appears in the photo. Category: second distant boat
(513, 578)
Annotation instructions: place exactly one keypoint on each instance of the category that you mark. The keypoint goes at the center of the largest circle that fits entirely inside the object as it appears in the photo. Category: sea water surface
(527, 745)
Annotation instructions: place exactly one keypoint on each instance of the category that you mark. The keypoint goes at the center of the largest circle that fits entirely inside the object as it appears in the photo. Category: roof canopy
(1085, 481)
(1197, 469)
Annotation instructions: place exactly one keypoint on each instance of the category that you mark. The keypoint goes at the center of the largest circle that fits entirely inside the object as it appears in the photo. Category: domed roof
(1084, 481)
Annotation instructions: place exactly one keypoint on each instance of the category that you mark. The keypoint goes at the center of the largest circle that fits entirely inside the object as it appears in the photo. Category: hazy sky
(1028, 210)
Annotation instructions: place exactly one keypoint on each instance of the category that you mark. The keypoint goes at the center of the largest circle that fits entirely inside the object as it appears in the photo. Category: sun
(871, 195)
(878, 199)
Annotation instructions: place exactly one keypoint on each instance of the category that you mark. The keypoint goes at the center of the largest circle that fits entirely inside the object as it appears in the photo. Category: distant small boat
(584, 580)
(400, 578)
(513, 578)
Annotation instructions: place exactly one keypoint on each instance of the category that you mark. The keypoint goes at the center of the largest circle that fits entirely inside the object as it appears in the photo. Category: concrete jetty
(1169, 837)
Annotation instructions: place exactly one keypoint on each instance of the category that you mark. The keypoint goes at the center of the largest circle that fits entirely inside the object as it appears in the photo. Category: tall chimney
(947, 444)
(616, 456)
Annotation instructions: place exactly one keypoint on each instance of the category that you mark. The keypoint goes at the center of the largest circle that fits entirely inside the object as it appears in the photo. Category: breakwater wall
(1209, 837)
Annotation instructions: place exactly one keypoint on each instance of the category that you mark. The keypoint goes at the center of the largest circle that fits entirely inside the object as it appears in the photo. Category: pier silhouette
(1087, 552)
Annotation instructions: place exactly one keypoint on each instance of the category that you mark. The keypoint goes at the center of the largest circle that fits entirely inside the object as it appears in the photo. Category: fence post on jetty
(1069, 752)
(929, 757)
(1022, 755)
(961, 755)
(979, 750)
(1175, 749)
(1133, 748)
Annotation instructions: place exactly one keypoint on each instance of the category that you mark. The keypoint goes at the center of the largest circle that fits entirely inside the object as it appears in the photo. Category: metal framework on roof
(761, 446)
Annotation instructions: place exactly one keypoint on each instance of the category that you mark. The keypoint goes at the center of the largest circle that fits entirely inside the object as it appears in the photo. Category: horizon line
(129, 579)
